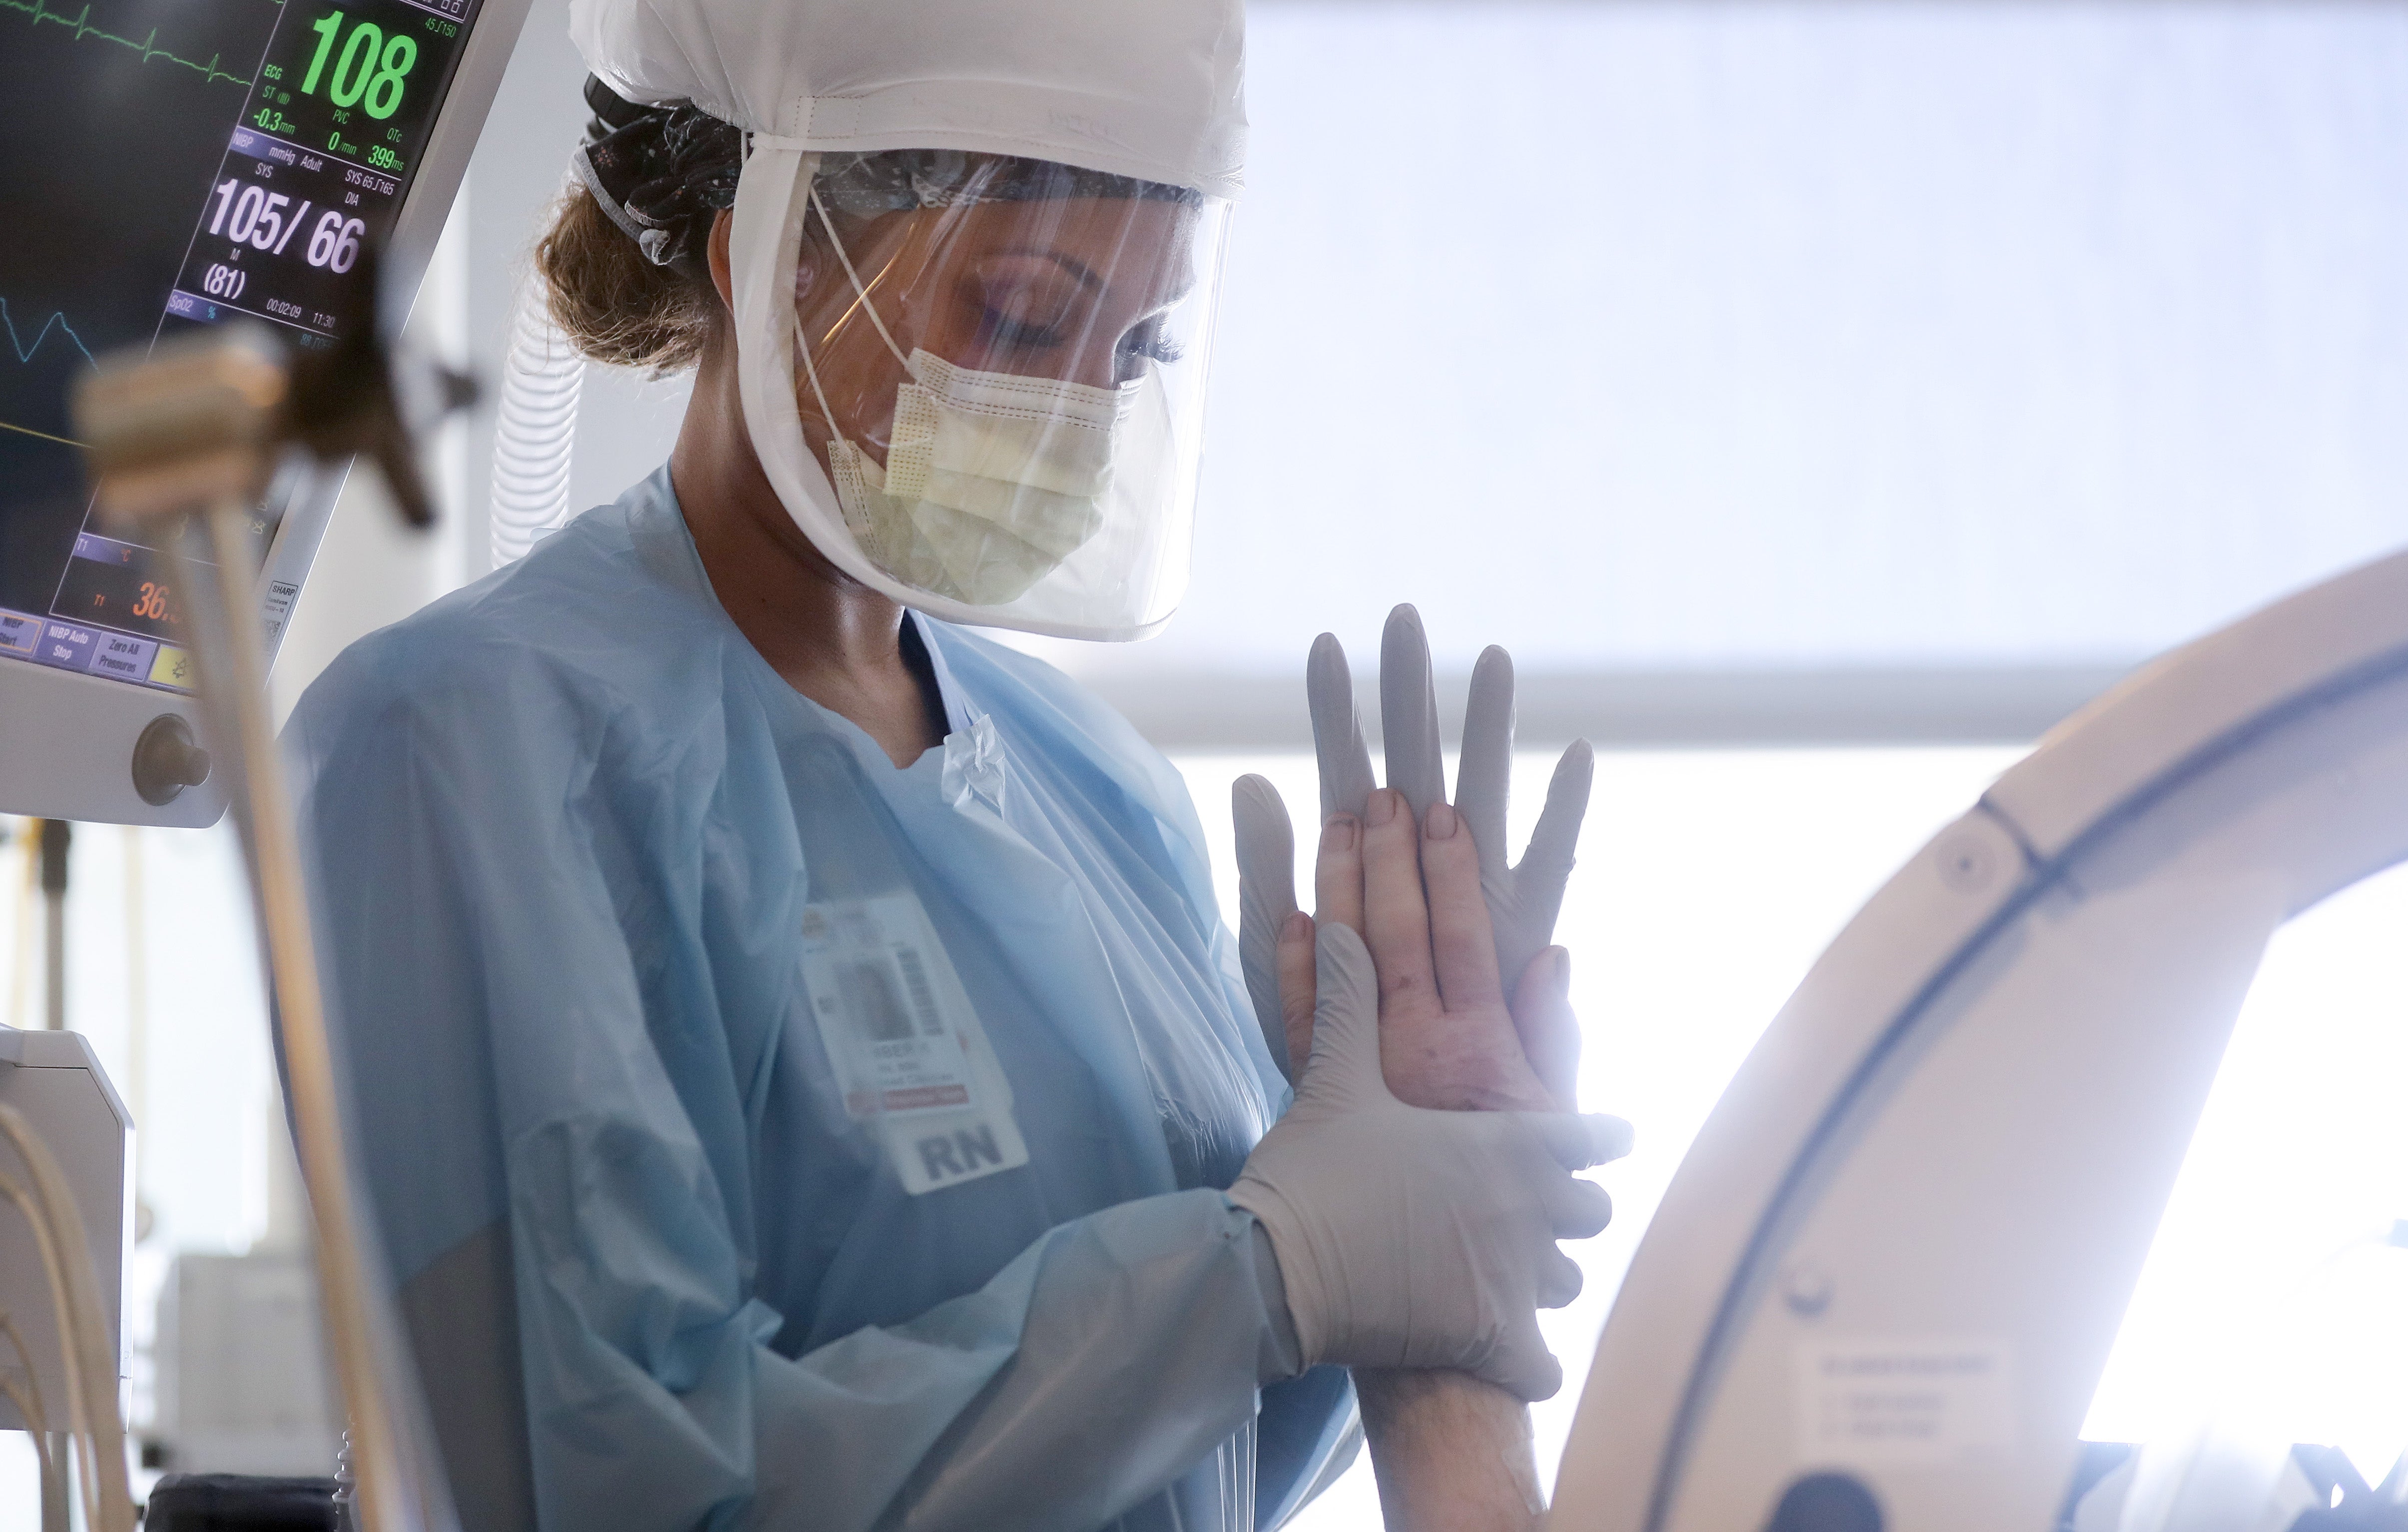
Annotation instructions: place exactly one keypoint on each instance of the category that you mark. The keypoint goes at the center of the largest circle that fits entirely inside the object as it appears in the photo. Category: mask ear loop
(803, 346)
(803, 343)
(854, 278)
(843, 465)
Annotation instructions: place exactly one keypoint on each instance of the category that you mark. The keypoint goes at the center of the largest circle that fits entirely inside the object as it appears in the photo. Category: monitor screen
(172, 164)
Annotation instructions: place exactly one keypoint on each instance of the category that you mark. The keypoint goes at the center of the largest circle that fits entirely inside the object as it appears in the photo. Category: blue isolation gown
(564, 828)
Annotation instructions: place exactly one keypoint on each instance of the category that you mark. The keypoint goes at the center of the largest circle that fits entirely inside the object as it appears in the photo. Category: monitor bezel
(67, 746)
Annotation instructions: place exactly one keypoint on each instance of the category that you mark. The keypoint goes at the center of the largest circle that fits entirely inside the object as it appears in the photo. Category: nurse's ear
(723, 266)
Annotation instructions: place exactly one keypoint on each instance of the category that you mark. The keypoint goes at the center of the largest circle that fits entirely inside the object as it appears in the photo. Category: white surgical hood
(1145, 88)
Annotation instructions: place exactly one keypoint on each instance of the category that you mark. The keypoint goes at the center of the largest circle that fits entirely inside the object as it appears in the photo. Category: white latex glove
(1410, 1237)
(1523, 898)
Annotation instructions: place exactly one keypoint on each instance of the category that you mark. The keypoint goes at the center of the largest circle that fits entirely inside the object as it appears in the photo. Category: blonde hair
(615, 304)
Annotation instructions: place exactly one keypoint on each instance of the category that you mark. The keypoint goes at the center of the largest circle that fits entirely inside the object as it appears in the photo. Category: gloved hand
(1523, 898)
(1410, 1237)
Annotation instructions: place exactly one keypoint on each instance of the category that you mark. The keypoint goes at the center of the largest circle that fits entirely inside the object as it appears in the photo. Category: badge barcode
(923, 999)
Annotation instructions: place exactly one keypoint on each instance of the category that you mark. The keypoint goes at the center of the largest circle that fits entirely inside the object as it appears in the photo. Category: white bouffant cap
(1153, 88)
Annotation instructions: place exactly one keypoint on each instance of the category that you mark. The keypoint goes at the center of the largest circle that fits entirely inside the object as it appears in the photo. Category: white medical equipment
(71, 1111)
(1884, 1281)
(271, 146)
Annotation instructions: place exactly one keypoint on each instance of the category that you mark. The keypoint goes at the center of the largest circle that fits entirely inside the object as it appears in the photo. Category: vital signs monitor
(176, 164)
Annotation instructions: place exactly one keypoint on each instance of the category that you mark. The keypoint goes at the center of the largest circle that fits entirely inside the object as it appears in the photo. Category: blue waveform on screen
(25, 349)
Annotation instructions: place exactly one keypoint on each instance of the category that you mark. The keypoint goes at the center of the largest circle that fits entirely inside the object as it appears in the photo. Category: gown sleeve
(485, 913)
(1107, 1360)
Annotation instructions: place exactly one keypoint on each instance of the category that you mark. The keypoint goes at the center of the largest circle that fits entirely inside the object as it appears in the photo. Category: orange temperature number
(153, 604)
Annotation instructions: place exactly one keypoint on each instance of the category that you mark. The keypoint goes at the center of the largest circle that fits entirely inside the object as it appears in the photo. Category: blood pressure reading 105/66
(194, 164)
(317, 163)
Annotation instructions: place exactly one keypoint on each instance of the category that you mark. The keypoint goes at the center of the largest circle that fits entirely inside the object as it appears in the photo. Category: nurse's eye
(1026, 306)
(998, 330)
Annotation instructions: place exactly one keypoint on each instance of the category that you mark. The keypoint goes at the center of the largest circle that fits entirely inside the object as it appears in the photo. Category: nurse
(800, 1076)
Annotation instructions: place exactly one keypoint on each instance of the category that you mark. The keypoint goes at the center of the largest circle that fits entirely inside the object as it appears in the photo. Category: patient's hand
(1521, 898)
(1448, 1037)
(1450, 1452)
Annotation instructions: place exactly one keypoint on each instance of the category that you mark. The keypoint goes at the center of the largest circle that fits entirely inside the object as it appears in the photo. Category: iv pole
(193, 432)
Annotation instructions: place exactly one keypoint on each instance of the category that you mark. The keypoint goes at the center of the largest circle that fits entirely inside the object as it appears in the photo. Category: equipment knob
(167, 760)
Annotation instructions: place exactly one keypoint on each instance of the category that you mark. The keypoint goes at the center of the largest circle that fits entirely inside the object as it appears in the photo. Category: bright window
(2274, 1285)
(1680, 336)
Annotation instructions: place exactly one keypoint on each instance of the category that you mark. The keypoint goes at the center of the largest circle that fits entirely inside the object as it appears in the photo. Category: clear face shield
(977, 382)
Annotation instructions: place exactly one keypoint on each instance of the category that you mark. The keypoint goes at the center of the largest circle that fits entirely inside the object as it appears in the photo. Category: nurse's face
(1073, 289)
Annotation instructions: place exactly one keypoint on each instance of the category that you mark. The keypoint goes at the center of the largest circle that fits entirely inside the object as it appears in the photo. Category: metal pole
(199, 423)
(241, 700)
(54, 837)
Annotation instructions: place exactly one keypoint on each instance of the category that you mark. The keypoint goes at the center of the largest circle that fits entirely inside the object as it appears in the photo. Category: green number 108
(370, 69)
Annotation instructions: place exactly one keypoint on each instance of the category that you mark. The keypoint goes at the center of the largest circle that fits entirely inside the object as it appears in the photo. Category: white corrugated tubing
(536, 431)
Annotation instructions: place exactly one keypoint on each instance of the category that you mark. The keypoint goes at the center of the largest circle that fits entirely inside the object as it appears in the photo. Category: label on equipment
(19, 634)
(65, 645)
(904, 1041)
(127, 659)
(1904, 1400)
(276, 606)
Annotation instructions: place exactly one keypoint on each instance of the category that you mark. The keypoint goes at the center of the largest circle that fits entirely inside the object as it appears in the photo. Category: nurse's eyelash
(1155, 347)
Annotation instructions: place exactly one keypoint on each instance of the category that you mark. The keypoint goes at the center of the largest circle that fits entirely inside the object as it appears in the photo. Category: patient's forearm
(1450, 1452)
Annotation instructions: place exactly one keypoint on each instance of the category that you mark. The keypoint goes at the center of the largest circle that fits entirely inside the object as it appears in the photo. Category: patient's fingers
(1396, 921)
(1338, 874)
(1461, 941)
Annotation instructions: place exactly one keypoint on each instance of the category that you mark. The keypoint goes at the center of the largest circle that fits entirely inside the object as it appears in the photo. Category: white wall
(626, 422)
(1803, 333)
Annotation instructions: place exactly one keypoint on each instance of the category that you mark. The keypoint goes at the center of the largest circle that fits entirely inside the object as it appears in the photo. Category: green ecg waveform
(147, 47)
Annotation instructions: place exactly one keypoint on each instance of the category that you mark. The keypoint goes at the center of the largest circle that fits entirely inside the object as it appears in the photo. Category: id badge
(906, 1043)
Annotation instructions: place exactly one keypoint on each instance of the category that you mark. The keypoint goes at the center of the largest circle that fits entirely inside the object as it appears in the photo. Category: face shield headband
(1005, 375)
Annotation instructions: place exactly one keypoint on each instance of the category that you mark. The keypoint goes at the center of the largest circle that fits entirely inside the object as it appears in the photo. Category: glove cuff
(1290, 1297)
(1281, 1357)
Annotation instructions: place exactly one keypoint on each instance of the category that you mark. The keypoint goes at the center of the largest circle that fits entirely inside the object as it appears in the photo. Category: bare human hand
(1448, 1037)
(1449, 923)
(1450, 1452)
(1522, 897)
